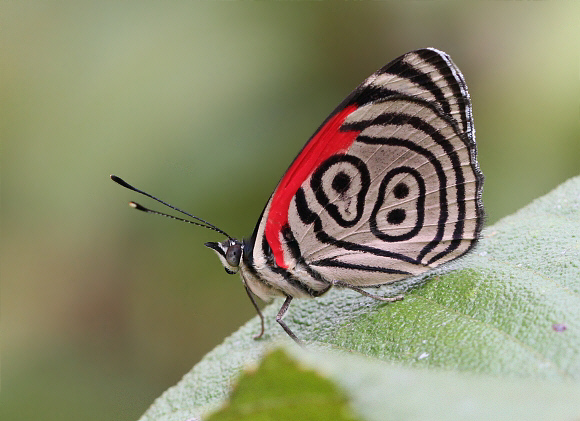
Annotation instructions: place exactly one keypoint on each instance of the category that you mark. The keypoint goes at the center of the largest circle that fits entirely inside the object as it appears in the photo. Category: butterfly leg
(257, 310)
(279, 317)
(341, 284)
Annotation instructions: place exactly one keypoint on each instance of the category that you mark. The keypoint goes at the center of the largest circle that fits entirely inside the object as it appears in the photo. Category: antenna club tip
(122, 182)
(137, 206)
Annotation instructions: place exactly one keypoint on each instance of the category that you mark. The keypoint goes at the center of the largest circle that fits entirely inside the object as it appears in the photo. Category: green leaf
(501, 310)
(379, 391)
(279, 390)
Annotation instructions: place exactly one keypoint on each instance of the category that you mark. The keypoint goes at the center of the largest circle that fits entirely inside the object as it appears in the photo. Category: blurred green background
(205, 105)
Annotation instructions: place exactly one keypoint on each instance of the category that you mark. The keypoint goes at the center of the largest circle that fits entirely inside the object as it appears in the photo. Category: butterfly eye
(234, 254)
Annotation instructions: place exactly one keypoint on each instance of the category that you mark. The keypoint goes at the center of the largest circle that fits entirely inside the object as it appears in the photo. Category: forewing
(388, 187)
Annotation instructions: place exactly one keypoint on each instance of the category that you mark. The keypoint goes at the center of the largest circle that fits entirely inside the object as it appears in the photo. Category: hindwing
(388, 186)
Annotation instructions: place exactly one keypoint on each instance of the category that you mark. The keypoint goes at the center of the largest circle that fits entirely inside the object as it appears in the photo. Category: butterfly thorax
(263, 276)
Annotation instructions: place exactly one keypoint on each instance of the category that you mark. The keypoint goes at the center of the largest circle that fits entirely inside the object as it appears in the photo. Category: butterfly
(387, 188)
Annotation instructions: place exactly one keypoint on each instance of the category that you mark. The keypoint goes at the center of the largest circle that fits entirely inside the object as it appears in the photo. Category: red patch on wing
(326, 142)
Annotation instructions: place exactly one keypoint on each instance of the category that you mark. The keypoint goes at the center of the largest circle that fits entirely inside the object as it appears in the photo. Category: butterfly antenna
(137, 206)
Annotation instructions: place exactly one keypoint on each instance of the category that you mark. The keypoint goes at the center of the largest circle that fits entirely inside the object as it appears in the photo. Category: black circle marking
(401, 190)
(341, 182)
(338, 184)
(396, 216)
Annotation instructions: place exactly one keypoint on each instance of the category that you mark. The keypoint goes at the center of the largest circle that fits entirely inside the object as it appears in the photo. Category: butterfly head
(229, 252)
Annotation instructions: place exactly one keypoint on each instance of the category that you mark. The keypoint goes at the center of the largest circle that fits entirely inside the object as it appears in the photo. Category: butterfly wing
(388, 186)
